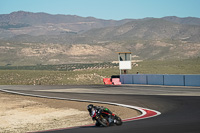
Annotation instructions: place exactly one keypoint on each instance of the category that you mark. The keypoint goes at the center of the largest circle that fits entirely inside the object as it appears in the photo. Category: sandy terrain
(21, 114)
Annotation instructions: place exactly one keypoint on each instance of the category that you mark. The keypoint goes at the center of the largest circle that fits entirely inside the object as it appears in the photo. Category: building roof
(124, 52)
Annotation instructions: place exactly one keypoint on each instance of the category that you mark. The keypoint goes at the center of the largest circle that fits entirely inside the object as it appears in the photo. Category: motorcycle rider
(94, 110)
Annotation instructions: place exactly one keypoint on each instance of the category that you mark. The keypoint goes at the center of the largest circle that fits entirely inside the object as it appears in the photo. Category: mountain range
(40, 38)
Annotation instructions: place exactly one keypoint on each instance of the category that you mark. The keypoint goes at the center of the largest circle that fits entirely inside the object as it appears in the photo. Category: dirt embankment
(23, 113)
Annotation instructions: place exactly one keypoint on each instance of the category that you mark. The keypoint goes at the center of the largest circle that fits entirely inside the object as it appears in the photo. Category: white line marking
(140, 109)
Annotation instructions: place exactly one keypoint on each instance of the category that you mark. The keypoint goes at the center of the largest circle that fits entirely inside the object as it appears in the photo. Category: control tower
(124, 62)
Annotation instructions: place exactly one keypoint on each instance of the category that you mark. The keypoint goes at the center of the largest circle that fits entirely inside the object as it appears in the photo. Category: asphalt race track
(179, 106)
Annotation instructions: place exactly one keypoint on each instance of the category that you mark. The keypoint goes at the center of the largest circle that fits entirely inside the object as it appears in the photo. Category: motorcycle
(103, 119)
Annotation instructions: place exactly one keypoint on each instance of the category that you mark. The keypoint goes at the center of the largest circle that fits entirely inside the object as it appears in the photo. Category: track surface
(180, 106)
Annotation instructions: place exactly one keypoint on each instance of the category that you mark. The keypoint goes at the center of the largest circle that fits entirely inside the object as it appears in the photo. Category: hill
(21, 22)
(40, 38)
(187, 20)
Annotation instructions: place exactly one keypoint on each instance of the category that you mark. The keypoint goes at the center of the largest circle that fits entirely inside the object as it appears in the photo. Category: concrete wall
(140, 79)
(126, 79)
(161, 79)
(192, 80)
(155, 79)
(177, 80)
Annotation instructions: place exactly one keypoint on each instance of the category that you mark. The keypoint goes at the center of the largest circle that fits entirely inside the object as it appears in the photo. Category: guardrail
(161, 79)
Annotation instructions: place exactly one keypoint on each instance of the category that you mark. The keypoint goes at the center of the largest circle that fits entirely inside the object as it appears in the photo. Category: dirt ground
(21, 114)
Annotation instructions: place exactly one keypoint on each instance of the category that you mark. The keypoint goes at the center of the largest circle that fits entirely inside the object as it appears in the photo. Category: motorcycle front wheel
(118, 121)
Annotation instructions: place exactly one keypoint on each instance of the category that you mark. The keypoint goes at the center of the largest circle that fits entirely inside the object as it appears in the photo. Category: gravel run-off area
(21, 114)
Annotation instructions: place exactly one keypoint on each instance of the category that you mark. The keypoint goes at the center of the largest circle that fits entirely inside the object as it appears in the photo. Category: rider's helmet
(89, 107)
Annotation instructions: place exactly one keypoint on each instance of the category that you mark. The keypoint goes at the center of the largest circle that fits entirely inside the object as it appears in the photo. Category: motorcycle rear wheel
(103, 121)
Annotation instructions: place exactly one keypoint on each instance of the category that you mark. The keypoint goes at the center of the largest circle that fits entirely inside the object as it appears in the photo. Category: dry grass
(95, 76)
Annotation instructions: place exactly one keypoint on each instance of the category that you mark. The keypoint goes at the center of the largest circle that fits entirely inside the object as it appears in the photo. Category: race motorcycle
(104, 119)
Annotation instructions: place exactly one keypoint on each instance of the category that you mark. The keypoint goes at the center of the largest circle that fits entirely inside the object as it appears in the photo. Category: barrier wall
(177, 80)
(140, 79)
(155, 79)
(161, 79)
(192, 80)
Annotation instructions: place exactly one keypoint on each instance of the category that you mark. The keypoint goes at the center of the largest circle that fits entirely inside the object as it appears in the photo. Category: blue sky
(106, 9)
